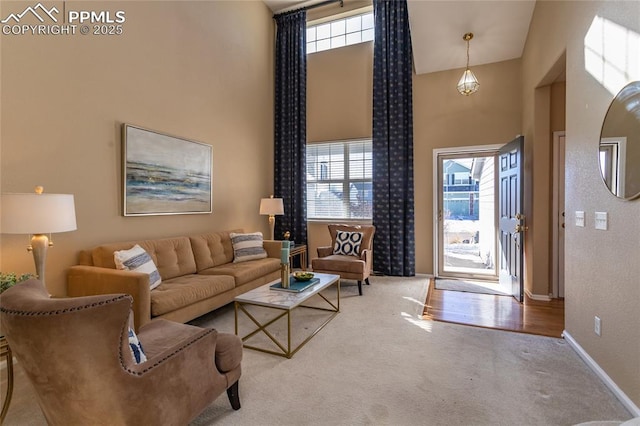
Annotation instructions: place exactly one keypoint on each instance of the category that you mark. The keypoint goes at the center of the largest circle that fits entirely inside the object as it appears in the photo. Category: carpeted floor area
(379, 363)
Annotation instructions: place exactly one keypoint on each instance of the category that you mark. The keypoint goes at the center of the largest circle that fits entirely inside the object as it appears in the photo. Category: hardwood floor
(500, 312)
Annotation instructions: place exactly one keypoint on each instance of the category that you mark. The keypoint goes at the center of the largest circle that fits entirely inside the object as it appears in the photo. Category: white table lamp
(37, 214)
(271, 207)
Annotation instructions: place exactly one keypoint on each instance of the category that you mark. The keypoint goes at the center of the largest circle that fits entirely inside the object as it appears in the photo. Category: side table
(299, 250)
(5, 352)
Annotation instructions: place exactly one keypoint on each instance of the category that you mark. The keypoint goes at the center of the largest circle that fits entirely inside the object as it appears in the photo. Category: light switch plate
(601, 221)
(580, 219)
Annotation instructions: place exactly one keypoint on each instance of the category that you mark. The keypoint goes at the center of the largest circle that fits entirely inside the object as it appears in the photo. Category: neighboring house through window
(339, 182)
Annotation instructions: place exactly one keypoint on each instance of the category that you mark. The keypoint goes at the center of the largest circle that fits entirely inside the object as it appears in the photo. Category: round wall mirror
(620, 144)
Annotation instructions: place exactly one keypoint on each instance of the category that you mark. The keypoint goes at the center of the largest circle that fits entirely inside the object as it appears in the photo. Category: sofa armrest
(187, 361)
(272, 247)
(325, 251)
(367, 256)
(92, 280)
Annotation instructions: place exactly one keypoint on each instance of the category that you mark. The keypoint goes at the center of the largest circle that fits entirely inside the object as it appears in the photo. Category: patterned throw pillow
(247, 247)
(136, 348)
(348, 243)
(136, 259)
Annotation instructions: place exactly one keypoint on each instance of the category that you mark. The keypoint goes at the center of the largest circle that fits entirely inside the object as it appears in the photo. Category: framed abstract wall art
(164, 174)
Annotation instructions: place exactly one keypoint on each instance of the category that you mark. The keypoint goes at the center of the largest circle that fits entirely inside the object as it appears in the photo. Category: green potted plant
(9, 279)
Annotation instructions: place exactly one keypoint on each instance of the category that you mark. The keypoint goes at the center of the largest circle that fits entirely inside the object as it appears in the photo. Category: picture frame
(164, 174)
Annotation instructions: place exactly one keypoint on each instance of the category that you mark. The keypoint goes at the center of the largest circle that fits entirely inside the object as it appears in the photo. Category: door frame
(437, 152)
(557, 240)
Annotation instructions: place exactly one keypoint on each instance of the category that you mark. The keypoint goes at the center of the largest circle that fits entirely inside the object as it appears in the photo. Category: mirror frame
(613, 149)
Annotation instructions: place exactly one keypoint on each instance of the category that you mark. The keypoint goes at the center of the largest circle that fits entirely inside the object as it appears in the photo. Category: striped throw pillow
(247, 247)
(136, 259)
(136, 348)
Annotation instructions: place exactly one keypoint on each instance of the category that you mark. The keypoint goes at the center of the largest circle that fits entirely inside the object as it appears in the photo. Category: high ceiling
(500, 30)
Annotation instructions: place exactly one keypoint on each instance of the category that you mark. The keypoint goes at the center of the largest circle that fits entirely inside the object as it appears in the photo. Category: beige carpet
(378, 363)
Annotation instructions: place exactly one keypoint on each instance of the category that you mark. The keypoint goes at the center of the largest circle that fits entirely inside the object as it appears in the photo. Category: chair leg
(366, 280)
(234, 396)
(360, 287)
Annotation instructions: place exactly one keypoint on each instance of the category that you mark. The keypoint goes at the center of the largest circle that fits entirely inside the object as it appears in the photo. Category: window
(339, 182)
(340, 32)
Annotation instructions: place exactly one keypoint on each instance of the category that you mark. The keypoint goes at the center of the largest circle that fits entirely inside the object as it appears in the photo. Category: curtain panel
(393, 193)
(290, 124)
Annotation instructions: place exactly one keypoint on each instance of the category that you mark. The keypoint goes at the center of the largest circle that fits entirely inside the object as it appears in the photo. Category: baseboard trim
(540, 297)
(622, 397)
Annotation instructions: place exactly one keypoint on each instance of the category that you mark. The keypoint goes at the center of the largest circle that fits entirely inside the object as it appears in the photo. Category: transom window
(339, 184)
(340, 32)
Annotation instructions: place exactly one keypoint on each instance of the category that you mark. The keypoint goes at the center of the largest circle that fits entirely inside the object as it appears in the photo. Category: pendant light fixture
(468, 83)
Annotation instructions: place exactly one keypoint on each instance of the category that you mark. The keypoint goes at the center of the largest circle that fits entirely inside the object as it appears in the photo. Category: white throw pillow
(348, 243)
(247, 247)
(138, 260)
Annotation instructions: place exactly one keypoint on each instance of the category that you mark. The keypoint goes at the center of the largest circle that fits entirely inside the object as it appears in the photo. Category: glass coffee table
(285, 302)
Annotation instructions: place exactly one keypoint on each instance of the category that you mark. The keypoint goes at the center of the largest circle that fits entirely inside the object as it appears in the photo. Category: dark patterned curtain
(290, 181)
(393, 209)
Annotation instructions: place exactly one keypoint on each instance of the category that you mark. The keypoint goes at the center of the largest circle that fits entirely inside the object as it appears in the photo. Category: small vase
(284, 275)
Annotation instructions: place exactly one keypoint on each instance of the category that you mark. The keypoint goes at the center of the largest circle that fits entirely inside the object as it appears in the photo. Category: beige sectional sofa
(198, 275)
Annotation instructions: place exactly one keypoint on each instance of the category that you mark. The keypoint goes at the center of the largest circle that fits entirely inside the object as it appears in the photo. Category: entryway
(499, 312)
(465, 210)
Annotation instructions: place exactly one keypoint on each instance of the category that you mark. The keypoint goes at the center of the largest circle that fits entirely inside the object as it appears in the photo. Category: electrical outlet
(597, 326)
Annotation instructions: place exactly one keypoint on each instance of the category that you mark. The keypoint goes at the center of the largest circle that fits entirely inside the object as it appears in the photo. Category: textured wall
(200, 70)
(602, 269)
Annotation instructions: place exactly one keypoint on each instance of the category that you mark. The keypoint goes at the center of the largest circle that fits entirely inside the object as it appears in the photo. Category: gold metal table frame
(301, 251)
(5, 352)
(285, 350)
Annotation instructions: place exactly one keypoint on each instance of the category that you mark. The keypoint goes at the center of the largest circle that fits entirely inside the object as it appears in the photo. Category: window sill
(348, 221)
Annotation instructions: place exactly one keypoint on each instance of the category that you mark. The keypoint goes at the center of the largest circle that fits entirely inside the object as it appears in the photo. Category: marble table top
(265, 296)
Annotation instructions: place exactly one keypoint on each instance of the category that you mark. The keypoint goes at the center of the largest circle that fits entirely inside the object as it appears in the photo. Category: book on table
(295, 286)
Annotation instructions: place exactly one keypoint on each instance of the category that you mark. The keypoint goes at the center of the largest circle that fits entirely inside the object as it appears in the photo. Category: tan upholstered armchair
(354, 267)
(75, 352)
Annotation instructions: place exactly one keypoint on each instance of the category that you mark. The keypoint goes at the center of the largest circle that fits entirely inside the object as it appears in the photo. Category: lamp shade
(37, 213)
(271, 206)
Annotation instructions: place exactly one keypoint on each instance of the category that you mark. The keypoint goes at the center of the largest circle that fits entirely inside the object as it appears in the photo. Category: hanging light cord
(467, 54)
(467, 37)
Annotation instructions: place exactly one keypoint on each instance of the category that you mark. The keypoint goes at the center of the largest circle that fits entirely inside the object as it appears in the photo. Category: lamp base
(272, 225)
(39, 246)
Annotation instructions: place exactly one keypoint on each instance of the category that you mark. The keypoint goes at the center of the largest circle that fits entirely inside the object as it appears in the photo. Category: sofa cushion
(212, 249)
(185, 290)
(339, 263)
(138, 260)
(172, 256)
(247, 247)
(245, 272)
